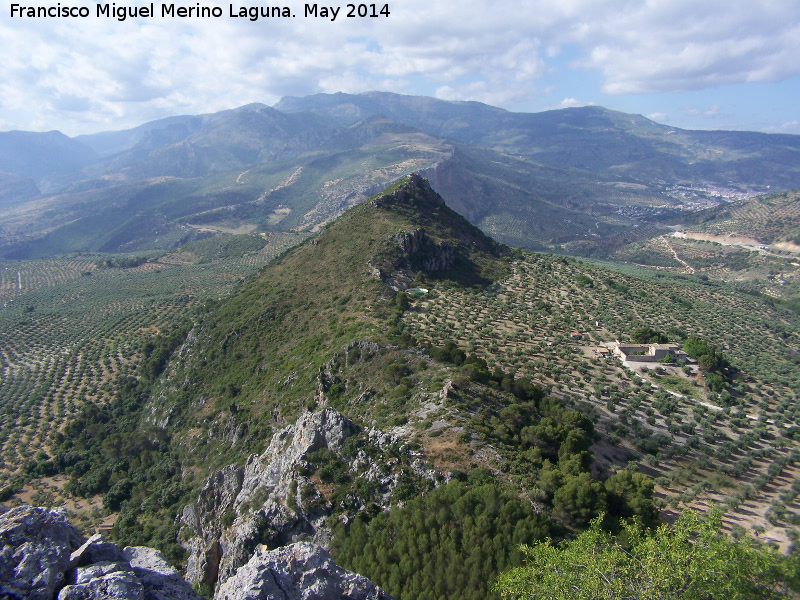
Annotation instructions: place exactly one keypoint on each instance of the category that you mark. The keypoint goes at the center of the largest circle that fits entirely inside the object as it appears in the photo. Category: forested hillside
(399, 387)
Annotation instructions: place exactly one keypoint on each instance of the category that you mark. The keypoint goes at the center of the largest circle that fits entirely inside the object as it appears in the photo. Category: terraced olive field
(771, 271)
(733, 445)
(71, 329)
(770, 219)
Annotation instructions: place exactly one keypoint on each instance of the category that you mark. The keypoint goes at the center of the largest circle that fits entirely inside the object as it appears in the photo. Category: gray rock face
(95, 550)
(269, 501)
(160, 580)
(300, 571)
(35, 548)
(117, 585)
(274, 500)
(40, 552)
(420, 251)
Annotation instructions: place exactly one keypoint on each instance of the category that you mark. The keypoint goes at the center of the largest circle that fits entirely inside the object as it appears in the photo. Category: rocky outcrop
(43, 557)
(420, 252)
(160, 580)
(277, 497)
(300, 571)
(354, 351)
(269, 501)
(36, 544)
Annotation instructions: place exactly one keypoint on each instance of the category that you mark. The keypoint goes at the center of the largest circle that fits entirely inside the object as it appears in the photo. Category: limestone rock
(160, 580)
(419, 251)
(40, 552)
(95, 550)
(35, 548)
(269, 501)
(276, 499)
(85, 574)
(300, 571)
(118, 585)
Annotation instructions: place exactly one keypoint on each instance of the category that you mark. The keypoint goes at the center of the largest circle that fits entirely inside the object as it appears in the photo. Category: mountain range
(586, 180)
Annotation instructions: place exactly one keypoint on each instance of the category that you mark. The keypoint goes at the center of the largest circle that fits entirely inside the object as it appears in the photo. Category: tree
(578, 500)
(648, 335)
(690, 560)
(631, 494)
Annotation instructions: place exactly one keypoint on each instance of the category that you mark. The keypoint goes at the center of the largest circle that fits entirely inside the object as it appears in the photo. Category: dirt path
(742, 242)
(242, 174)
(678, 258)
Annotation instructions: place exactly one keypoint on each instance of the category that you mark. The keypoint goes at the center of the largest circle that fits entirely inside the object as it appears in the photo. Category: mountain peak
(431, 237)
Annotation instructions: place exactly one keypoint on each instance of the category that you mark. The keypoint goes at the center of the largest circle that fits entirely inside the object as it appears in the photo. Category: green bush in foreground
(690, 559)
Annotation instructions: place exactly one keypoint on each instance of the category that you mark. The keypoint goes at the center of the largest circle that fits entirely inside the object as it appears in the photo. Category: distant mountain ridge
(582, 179)
(589, 138)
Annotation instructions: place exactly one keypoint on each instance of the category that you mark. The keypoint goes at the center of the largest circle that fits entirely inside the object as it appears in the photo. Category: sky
(708, 64)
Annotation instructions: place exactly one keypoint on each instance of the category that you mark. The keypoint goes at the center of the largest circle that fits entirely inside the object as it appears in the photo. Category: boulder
(160, 579)
(40, 552)
(117, 585)
(35, 548)
(300, 571)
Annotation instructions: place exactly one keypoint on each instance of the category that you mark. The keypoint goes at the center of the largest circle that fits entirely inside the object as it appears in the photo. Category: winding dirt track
(678, 258)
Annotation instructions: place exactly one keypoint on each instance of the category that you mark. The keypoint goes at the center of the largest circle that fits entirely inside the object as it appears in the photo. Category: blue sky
(701, 65)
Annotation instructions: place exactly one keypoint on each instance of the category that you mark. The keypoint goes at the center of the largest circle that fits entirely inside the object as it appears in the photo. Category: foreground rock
(42, 557)
(301, 571)
(35, 553)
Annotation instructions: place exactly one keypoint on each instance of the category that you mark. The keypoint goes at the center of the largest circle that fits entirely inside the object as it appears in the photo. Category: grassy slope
(265, 346)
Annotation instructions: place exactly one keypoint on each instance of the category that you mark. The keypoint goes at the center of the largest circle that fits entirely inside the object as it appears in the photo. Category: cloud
(788, 127)
(573, 103)
(675, 45)
(711, 112)
(658, 117)
(91, 74)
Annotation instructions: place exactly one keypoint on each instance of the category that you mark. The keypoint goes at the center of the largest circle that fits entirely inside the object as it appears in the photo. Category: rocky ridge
(43, 557)
(300, 571)
(277, 499)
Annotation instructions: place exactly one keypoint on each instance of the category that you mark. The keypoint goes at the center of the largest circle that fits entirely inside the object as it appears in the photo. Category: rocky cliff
(43, 557)
(279, 497)
(300, 571)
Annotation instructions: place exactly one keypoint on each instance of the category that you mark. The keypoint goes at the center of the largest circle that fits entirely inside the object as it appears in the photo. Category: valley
(390, 326)
(585, 181)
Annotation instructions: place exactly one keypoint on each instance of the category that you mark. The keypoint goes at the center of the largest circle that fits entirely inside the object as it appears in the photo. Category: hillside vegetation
(752, 243)
(769, 219)
(73, 330)
(491, 375)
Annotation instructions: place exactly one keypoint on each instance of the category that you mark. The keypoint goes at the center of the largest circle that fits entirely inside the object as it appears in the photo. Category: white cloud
(672, 45)
(573, 103)
(788, 127)
(89, 74)
(658, 117)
